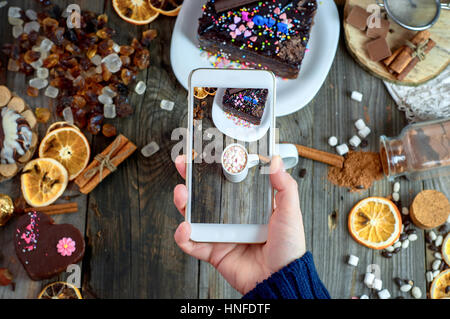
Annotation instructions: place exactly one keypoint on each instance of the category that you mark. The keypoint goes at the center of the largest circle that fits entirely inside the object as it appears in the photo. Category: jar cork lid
(429, 209)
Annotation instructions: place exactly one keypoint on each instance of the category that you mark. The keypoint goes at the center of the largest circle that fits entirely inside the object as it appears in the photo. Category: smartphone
(231, 138)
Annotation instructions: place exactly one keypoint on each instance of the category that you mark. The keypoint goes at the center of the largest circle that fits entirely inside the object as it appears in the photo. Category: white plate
(292, 95)
(228, 127)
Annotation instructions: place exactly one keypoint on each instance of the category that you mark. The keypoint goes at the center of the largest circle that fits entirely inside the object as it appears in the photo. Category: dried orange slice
(200, 93)
(43, 181)
(60, 124)
(60, 290)
(375, 222)
(135, 11)
(446, 249)
(68, 146)
(170, 9)
(439, 287)
(211, 91)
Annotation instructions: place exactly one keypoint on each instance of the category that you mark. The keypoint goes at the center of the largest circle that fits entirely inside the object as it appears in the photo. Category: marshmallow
(332, 141)
(342, 149)
(359, 124)
(357, 96)
(353, 260)
(369, 279)
(416, 292)
(364, 132)
(354, 141)
(396, 187)
(395, 196)
(377, 284)
(364, 297)
(384, 294)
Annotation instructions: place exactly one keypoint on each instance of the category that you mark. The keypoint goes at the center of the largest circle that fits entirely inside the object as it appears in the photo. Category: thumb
(284, 184)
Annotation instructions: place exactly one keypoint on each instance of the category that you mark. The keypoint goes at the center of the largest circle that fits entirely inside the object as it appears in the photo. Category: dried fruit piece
(135, 11)
(43, 181)
(60, 290)
(42, 114)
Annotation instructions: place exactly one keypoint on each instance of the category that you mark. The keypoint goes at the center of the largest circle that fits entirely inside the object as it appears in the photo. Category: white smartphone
(231, 135)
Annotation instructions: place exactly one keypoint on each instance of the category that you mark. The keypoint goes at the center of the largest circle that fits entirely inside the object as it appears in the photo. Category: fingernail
(276, 164)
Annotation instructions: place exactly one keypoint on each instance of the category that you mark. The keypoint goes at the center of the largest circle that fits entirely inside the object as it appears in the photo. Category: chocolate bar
(247, 104)
(271, 34)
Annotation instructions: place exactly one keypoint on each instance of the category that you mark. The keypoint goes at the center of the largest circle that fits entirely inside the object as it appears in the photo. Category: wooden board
(436, 60)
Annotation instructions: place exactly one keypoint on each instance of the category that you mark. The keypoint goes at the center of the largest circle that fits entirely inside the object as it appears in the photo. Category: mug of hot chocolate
(236, 161)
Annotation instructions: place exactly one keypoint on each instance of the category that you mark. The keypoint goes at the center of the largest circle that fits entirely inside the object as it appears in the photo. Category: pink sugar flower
(66, 246)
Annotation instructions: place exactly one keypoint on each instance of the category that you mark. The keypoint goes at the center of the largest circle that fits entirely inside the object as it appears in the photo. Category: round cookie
(429, 209)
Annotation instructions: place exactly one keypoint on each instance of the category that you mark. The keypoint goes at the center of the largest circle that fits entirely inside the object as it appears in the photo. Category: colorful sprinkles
(29, 236)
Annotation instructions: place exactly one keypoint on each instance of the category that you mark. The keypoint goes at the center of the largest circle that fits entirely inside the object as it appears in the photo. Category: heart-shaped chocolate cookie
(45, 249)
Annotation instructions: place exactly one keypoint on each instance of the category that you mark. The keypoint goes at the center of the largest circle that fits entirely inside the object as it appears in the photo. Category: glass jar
(422, 150)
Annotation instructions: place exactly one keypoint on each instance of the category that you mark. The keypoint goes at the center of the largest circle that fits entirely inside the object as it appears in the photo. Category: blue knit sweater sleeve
(298, 280)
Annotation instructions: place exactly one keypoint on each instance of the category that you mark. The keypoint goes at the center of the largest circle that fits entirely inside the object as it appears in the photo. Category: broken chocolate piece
(358, 18)
(223, 5)
(382, 31)
(378, 49)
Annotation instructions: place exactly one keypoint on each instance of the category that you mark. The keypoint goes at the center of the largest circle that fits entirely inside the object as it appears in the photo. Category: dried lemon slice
(375, 222)
(170, 9)
(43, 181)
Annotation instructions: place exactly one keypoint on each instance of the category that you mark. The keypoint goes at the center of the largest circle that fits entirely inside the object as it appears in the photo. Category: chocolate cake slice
(271, 34)
(247, 104)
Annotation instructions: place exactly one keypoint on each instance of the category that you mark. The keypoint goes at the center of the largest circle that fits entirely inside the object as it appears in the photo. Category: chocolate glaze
(278, 45)
(39, 256)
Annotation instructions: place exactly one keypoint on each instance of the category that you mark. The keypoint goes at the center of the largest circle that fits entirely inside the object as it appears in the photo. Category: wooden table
(130, 219)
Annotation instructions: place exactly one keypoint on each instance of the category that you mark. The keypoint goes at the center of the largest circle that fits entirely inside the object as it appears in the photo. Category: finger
(180, 164)
(180, 197)
(286, 186)
(200, 251)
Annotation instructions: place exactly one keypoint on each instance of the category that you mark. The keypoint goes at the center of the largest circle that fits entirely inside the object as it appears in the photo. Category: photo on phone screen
(231, 139)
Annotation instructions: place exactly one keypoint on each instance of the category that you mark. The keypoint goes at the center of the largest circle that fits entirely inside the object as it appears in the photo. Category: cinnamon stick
(56, 209)
(414, 61)
(122, 155)
(82, 180)
(320, 156)
(394, 55)
(405, 56)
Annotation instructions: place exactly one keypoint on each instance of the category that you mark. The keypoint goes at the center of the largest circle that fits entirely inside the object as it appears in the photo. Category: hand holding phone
(245, 265)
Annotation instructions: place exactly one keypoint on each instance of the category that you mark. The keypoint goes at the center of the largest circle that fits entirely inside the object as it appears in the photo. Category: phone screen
(231, 145)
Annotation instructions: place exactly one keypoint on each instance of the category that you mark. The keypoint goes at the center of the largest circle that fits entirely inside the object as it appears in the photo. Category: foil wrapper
(6, 209)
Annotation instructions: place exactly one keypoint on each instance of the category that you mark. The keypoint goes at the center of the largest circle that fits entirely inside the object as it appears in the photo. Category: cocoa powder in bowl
(360, 170)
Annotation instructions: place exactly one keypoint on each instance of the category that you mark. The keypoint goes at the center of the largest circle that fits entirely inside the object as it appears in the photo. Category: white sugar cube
(140, 87)
(68, 115)
(357, 96)
(167, 105)
(38, 83)
(17, 30)
(37, 64)
(105, 99)
(354, 141)
(14, 12)
(42, 73)
(384, 294)
(31, 14)
(359, 124)
(342, 149)
(109, 92)
(46, 45)
(150, 149)
(364, 132)
(97, 60)
(31, 26)
(353, 260)
(51, 92)
(109, 111)
(332, 141)
(377, 284)
(369, 279)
